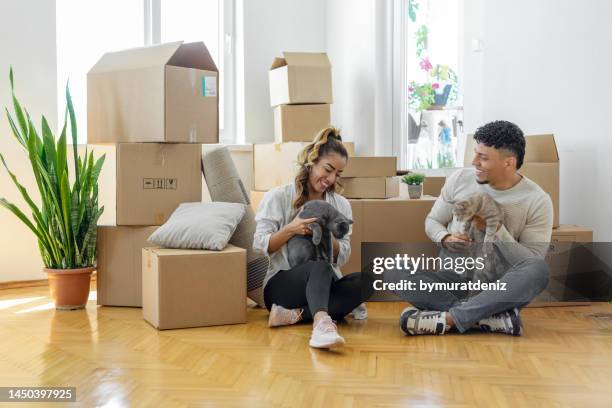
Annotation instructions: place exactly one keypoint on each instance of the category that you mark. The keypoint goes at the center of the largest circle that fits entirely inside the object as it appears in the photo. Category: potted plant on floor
(65, 222)
(415, 184)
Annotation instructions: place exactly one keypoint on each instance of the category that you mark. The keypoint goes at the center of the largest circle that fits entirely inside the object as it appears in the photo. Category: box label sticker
(209, 86)
(159, 184)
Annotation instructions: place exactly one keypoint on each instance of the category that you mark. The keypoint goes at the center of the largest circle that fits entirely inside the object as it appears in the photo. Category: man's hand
(456, 242)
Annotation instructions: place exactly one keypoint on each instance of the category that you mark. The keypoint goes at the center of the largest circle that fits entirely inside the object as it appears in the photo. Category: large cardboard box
(300, 77)
(354, 261)
(558, 260)
(193, 288)
(300, 123)
(275, 164)
(396, 219)
(119, 270)
(161, 93)
(154, 178)
(370, 187)
(541, 164)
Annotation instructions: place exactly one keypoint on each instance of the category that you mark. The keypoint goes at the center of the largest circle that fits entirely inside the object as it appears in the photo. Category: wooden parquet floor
(114, 358)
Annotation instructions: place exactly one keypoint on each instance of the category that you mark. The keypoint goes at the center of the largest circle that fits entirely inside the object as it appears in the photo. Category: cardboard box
(370, 187)
(275, 164)
(193, 288)
(370, 166)
(432, 186)
(161, 93)
(256, 197)
(119, 270)
(558, 259)
(396, 219)
(300, 77)
(300, 123)
(154, 178)
(354, 261)
(541, 164)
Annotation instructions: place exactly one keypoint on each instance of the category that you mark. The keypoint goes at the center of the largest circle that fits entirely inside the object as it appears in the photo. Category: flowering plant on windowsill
(440, 88)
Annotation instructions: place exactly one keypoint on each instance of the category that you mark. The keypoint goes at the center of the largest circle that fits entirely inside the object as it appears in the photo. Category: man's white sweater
(528, 215)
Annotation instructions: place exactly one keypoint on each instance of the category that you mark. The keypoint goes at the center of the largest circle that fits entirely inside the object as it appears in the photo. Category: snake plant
(64, 220)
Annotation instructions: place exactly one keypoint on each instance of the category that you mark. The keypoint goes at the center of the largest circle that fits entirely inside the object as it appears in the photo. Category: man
(520, 243)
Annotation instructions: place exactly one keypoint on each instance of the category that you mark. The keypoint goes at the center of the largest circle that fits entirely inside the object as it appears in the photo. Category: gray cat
(303, 248)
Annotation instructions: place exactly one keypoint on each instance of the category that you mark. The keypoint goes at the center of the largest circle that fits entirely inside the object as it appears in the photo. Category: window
(87, 29)
(431, 106)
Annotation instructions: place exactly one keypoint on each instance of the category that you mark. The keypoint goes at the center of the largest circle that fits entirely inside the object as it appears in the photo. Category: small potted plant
(65, 222)
(415, 184)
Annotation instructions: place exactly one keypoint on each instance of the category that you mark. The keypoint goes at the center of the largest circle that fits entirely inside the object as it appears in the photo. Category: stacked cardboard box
(301, 95)
(370, 177)
(156, 105)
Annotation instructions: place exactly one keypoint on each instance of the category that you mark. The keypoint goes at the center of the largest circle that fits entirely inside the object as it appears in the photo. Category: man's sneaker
(360, 312)
(414, 321)
(279, 316)
(325, 334)
(508, 322)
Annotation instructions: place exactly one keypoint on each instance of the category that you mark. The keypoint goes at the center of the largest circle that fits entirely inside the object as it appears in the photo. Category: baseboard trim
(30, 283)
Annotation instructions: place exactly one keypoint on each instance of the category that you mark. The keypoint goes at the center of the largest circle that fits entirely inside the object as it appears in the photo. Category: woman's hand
(299, 226)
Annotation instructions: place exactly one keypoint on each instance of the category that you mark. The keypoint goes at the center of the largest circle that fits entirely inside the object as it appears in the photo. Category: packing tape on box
(224, 185)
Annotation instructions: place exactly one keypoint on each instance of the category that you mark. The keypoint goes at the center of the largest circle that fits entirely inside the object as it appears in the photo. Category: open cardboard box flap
(162, 93)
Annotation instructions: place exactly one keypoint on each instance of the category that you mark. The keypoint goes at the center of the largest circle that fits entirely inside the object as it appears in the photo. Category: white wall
(351, 38)
(27, 41)
(545, 65)
(271, 27)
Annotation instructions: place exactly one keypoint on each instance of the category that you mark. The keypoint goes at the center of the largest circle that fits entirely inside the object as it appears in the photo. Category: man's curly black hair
(503, 135)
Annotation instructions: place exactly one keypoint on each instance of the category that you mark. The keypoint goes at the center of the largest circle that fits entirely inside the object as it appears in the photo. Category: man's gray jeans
(524, 281)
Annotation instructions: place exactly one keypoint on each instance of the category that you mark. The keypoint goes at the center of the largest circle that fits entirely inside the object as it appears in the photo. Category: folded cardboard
(119, 267)
(300, 77)
(370, 166)
(161, 93)
(541, 164)
(154, 178)
(370, 187)
(300, 123)
(193, 288)
(275, 164)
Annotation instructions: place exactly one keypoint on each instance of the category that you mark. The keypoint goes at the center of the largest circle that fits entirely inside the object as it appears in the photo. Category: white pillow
(199, 226)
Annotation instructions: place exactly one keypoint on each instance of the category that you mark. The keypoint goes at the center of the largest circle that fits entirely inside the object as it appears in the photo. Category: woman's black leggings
(314, 287)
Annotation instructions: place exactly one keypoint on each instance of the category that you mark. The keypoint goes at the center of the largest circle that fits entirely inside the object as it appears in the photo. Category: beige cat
(484, 206)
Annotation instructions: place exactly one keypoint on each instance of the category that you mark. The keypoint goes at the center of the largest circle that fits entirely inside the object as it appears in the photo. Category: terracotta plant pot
(415, 191)
(69, 287)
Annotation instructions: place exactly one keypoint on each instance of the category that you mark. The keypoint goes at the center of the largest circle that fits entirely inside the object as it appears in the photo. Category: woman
(313, 291)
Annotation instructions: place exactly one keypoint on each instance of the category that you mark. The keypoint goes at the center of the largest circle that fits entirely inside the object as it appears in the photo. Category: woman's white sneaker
(279, 316)
(325, 334)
